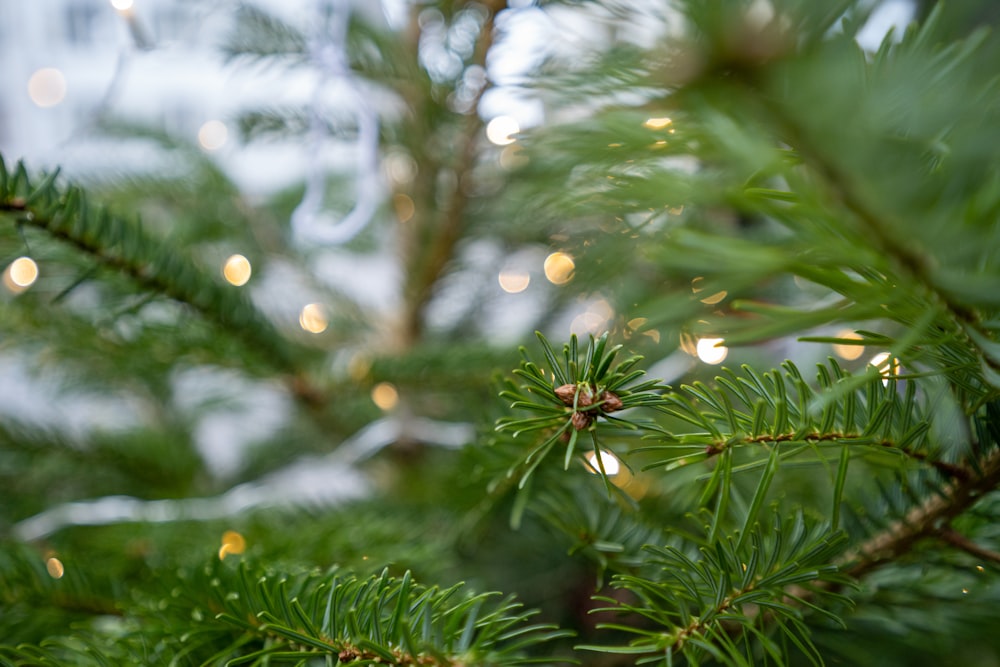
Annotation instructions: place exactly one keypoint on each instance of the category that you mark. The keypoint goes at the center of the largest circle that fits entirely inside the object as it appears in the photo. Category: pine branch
(122, 245)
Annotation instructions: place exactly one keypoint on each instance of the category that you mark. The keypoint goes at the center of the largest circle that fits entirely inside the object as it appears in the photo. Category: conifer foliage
(750, 180)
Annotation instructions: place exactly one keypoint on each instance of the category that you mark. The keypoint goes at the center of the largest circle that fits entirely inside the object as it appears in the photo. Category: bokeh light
(513, 281)
(236, 270)
(232, 543)
(55, 568)
(385, 396)
(20, 274)
(711, 350)
(846, 350)
(657, 123)
(594, 319)
(886, 365)
(612, 466)
(47, 87)
(513, 157)
(500, 129)
(122, 5)
(213, 135)
(559, 268)
(404, 206)
(313, 318)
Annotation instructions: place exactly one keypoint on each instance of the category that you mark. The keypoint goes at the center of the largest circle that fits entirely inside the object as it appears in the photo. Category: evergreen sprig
(738, 602)
(123, 245)
(573, 395)
(873, 412)
(247, 615)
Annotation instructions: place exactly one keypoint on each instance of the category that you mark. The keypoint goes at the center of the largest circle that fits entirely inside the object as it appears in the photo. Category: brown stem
(930, 519)
(948, 470)
(956, 539)
(430, 241)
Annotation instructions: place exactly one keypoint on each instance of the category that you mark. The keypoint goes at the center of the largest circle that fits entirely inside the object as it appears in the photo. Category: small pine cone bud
(586, 398)
(566, 393)
(611, 402)
(581, 420)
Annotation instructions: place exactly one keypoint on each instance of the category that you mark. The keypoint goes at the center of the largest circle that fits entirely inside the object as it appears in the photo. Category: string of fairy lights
(558, 268)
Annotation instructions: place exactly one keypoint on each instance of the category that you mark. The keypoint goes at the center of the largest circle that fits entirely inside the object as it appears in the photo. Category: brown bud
(586, 397)
(581, 420)
(566, 393)
(611, 402)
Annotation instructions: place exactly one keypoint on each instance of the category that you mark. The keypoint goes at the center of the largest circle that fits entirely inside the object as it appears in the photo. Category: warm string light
(886, 365)
(617, 473)
(513, 281)
(612, 466)
(212, 135)
(559, 268)
(47, 87)
(55, 568)
(658, 123)
(313, 319)
(711, 350)
(20, 274)
(710, 300)
(636, 325)
(848, 351)
(232, 543)
(385, 396)
(236, 270)
(500, 129)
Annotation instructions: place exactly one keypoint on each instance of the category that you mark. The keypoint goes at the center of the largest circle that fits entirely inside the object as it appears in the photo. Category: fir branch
(122, 245)
(957, 539)
(931, 519)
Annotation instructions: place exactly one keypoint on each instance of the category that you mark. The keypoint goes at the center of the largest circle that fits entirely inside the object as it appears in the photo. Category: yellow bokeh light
(636, 322)
(55, 568)
(559, 268)
(513, 282)
(21, 274)
(657, 123)
(122, 5)
(848, 351)
(689, 344)
(232, 543)
(385, 396)
(886, 365)
(500, 129)
(404, 206)
(212, 135)
(711, 350)
(715, 298)
(236, 270)
(47, 87)
(313, 318)
(612, 466)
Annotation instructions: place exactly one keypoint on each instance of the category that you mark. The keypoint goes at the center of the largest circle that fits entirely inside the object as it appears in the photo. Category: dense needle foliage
(745, 178)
